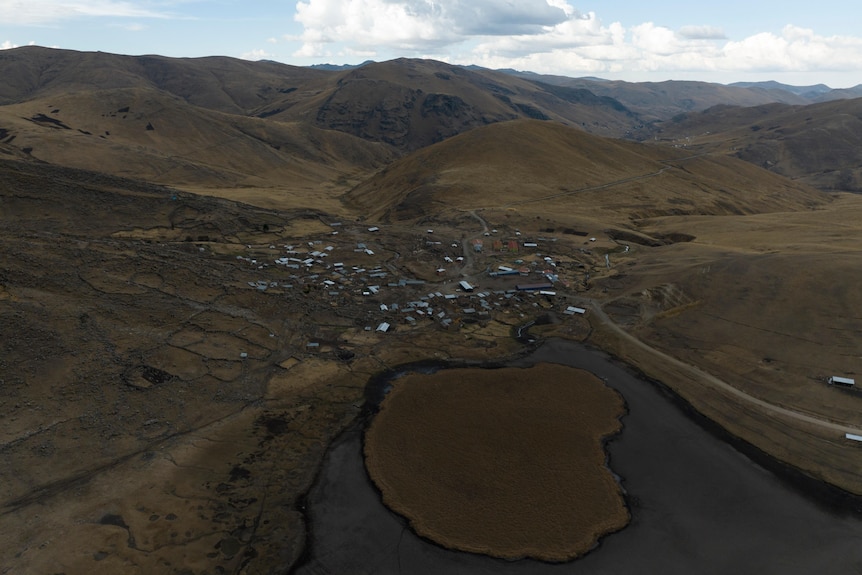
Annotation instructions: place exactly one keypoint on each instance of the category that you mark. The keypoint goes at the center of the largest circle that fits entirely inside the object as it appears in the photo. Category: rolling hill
(819, 144)
(216, 83)
(294, 121)
(664, 100)
(543, 166)
(192, 280)
(153, 135)
(431, 100)
(412, 103)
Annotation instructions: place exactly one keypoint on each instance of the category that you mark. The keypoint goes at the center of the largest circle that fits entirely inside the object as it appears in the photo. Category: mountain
(195, 121)
(187, 122)
(339, 67)
(196, 253)
(663, 100)
(400, 101)
(812, 94)
(220, 122)
(153, 135)
(216, 83)
(543, 166)
(410, 103)
(807, 92)
(820, 144)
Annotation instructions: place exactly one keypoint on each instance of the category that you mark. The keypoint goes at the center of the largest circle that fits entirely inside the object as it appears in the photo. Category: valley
(200, 277)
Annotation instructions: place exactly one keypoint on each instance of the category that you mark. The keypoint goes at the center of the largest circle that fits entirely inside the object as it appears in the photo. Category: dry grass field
(169, 389)
(506, 462)
(161, 414)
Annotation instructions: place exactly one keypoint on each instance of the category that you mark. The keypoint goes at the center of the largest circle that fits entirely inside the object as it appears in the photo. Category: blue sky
(791, 42)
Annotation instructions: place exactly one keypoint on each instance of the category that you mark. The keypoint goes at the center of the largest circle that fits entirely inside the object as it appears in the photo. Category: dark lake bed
(698, 503)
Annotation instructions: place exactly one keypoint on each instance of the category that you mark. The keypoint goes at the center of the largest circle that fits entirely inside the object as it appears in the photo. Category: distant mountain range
(152, 116)
(768, 91)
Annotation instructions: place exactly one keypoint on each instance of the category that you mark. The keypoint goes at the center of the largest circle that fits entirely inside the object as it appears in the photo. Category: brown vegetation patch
(505, 462)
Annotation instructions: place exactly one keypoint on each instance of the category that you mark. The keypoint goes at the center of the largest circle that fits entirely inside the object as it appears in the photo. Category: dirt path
(702, 375)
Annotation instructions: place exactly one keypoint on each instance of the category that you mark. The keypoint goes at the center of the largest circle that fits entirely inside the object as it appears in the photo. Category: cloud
(795, 49)
(702, 33)
(40, 12)
(418, 25)
(256, 55)
(8, 44)
(551, 36)
(576, 31)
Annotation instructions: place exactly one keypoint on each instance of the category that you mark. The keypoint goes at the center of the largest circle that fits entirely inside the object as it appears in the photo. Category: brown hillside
(549, 168)
(413, 103)
(820, 144)
(148, 134)
(405, 103)
(664, 100)
(218, 83)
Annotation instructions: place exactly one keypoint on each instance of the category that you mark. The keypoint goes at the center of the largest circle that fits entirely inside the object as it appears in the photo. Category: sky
(799, 43)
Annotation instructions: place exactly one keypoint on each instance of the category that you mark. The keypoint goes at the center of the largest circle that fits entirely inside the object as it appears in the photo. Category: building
(835, 380)
(465, 285)
(534, 287)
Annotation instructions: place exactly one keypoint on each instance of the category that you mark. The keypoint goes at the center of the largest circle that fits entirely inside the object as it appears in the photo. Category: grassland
(138, 438)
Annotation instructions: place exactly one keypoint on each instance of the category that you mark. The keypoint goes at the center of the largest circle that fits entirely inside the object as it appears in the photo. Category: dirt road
(696, 372)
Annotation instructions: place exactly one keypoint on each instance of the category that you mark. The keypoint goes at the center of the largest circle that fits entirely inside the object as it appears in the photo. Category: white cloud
(794, 50)
(256, 55)
(131, 26)
(38, 12)
(577, 31)
(702, 33)
(551, 36)
(8, 44)
(418, 25)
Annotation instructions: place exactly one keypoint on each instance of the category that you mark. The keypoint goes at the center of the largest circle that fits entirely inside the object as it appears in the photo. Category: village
(443, 284)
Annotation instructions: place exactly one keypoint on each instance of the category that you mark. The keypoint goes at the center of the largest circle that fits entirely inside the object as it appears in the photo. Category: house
(534, 287)
(465, 285)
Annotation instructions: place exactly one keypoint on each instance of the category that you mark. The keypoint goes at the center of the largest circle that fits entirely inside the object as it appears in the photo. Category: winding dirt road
(702, 375)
